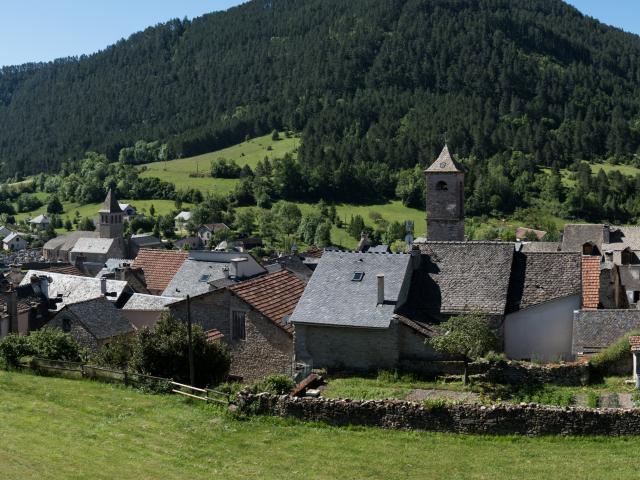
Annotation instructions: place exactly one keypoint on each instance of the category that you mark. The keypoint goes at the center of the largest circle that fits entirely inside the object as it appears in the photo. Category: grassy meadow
(54, 428)
(249, 153)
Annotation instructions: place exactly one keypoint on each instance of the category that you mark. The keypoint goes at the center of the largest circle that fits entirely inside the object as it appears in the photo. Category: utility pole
(192, 373)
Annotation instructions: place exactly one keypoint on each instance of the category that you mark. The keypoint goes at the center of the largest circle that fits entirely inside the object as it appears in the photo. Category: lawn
(68, 429)
(245, 153)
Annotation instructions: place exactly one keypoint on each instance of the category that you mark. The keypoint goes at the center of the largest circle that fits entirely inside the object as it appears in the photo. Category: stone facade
(445, 206)
(500, 419)
(67, 322)
(360, 349)
(266, 349)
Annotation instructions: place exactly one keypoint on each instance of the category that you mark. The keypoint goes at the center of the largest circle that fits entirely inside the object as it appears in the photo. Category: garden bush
(277, 384)
(50, 343)
(614, 360)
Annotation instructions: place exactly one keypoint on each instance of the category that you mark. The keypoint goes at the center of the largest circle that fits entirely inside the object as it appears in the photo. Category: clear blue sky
(40, 30)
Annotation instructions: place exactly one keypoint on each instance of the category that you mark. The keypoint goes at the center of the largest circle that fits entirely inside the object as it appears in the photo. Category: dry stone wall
(500, 419)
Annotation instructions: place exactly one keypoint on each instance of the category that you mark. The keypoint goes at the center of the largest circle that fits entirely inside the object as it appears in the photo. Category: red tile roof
(590, 282)
(213, 335)
(314, 252)
(634, 341)
(66, 269)
(274, 295)
(159, 267)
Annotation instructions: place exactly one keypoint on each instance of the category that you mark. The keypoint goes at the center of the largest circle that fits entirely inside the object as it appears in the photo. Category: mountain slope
(368, 82)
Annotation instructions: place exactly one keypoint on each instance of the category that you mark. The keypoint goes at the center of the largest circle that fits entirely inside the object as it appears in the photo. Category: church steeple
(110, 218)
(445, 199)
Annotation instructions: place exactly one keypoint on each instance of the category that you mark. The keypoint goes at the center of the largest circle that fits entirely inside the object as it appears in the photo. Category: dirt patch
(420, 395)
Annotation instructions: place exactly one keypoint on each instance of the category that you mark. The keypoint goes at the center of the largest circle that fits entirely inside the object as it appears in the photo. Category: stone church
(445, 199)
(92, 248)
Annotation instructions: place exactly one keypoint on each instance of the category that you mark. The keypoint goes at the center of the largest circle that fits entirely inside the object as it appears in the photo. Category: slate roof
(185, 216)
(66, 242)
(4, 231)
(539, 277)
(110, 204)
(101, 318)
(93, 245)
(144, 302)
(540, 247)
(65, 269)
(457, 277)
(145, 239)
(576, 235)
(11, 236)
(40, 219)
(445, 163)
(379, 249)
(214, 227)
(594, 330)
(274, 295)
(73, 289)
(159, 266)
(333, 298)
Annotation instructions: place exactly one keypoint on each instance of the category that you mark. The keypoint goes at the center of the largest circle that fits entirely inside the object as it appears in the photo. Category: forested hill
(367, 82)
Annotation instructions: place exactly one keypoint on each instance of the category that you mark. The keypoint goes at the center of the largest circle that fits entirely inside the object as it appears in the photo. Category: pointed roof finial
(444, 163)
(110, 204)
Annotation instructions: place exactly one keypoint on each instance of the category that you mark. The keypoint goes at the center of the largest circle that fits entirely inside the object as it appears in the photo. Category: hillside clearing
(249, 153)
(59, 429)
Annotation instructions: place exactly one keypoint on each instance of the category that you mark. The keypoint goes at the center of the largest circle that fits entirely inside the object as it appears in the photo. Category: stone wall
(500, 419)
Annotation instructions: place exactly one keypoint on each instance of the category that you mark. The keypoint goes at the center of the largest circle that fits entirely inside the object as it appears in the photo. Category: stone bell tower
(110, 218)
(445, 199)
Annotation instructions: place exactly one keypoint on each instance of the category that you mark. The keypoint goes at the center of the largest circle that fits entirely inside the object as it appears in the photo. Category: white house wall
(542, 332)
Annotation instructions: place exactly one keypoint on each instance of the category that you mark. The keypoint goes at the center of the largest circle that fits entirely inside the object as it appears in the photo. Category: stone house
(14, 242)
(181, 220)
(93, 323)
(252, 318)
(158, 267)
(207, 230)
(41, 222)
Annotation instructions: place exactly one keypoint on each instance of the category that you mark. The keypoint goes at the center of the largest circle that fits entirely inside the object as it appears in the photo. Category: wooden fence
(103, 374)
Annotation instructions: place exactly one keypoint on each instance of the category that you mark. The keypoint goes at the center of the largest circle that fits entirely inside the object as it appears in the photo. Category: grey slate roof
(145, 239)
(110, 204)
(93, 245)
(444, 163)
(594, 330)
(66, 242)
(576, 235)
(539, 277)
(101, 318)
(10, 237)
(144, 302)
(457, 277)
(40, 219)
(332, 298)
(203, 267)
(540, 246)
(73, 289)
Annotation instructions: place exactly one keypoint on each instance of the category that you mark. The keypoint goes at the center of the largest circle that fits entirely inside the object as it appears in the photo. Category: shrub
(593, 400)
(431, 404)
(277, 384)
(47, 342)
(164, 352)
(615, 359)
(116, 354)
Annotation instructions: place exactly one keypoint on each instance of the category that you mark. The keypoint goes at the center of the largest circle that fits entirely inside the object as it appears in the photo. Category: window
(66, 325)
(442, 186)
(205, 278)
(238, 325)
(357, 276)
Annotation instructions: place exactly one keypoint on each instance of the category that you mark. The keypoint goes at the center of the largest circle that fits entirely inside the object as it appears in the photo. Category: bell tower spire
(445, 199)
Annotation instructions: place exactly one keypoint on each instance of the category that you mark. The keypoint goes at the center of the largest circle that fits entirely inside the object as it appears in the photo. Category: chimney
(13, 310)
(590, 282)
(225, 272)
(44, 286)
(380, 278)
(606, 230)
(103, 286)
(236, 267)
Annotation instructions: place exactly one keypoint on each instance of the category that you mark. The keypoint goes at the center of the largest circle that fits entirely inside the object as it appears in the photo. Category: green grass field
(54, 428)
(245, 153)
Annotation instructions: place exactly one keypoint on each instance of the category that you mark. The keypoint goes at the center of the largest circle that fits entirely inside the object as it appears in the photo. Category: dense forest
(373, 85)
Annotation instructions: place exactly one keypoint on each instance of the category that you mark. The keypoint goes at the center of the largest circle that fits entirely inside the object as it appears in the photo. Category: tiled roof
(40, 219)
(101, 318)
(93, 245)
(274, 295)
(145, 239)
(313, 252)
(634, 342)
(67, 241)
(576, 235)
(540, 247)
(444, 163)
(539, 277)
(590, 282)
(110, 204)
(11, 236)
(159, 266)
(332, 297)
(594, 330)
(213, 335)
(144, 302)
(457, 277)
(71, 289)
